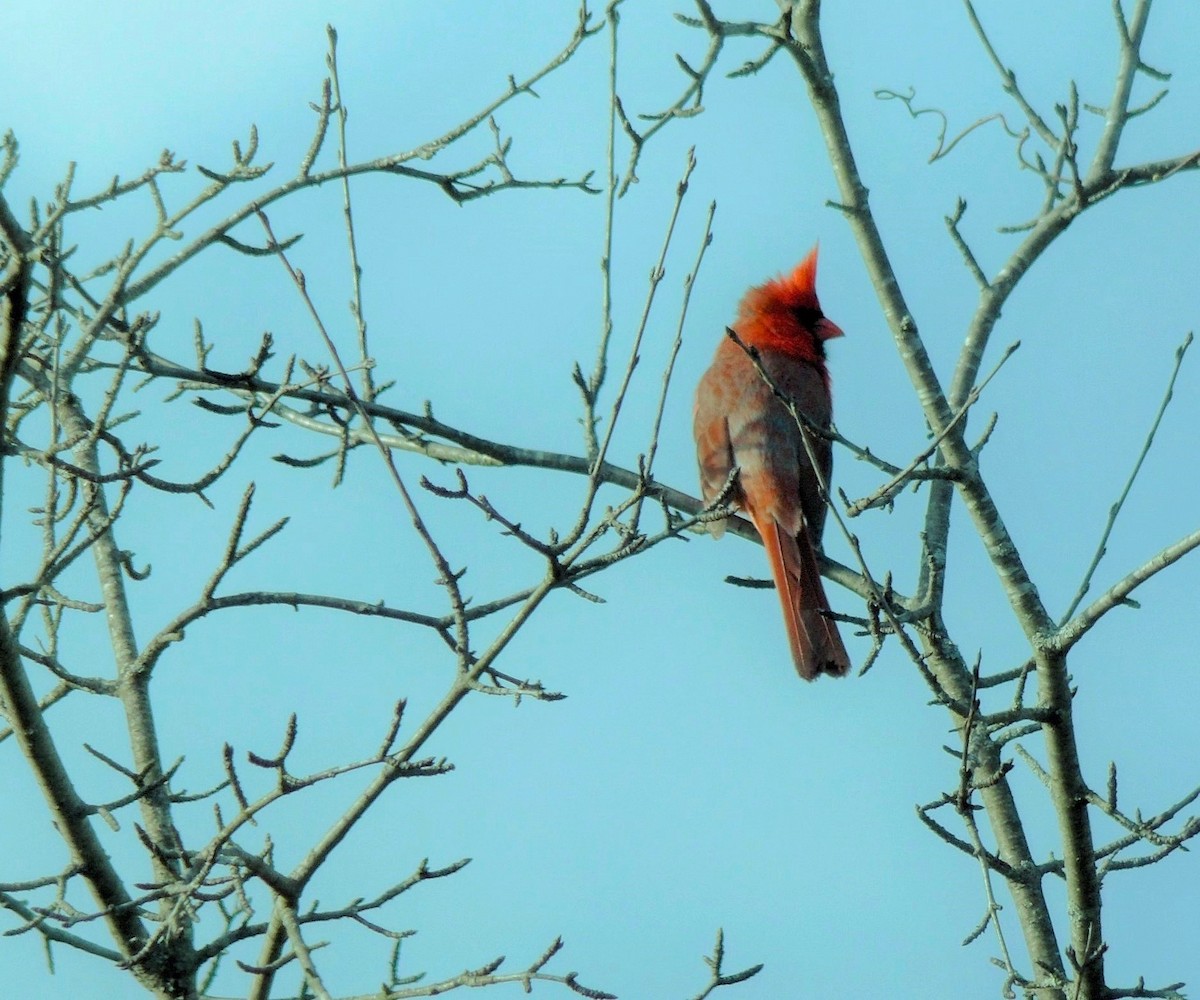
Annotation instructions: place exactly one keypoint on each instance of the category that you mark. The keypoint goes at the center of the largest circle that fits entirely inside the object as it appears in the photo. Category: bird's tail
(816, 645)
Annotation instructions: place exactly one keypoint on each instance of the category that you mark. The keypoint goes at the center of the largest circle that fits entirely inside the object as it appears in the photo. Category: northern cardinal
(740, 422)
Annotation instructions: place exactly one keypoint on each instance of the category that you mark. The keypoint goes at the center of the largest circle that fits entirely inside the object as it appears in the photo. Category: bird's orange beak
(827, 329)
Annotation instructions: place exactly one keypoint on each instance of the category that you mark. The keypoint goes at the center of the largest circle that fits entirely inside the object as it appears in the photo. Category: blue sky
(689, 781)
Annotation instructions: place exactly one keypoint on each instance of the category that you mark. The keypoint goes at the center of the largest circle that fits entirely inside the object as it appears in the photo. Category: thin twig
(1115, 510)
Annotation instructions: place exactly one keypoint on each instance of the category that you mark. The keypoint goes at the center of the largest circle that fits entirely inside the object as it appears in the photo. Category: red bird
(740, 422)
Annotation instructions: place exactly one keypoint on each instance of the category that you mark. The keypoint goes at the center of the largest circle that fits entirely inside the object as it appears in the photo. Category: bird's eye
(807, 315)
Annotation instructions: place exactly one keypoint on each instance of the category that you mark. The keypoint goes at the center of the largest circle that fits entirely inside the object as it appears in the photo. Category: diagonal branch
(1118, 594)
(1115, 509)
(397, 163)
(1009, 80)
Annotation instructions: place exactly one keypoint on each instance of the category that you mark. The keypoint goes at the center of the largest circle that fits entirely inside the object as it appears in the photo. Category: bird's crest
(797, 290)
